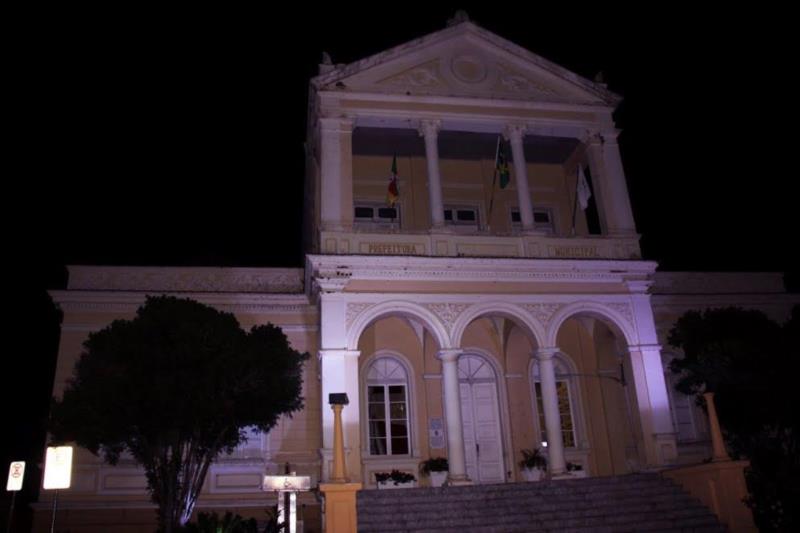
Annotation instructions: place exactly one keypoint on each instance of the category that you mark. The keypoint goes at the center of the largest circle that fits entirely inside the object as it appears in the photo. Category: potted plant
(395, 480)
(436, 468)
(533, 464)
(576, 469)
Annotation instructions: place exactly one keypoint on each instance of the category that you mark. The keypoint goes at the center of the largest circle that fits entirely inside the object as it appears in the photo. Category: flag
(501, 166)
(583, 190)
(393, 194)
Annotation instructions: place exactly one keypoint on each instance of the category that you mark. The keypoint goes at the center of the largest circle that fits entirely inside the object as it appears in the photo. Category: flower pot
(389, 484)
(532, 474)
(438, 478)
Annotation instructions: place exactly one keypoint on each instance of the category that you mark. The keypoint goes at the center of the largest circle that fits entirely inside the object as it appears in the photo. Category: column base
(458, 482)
(340, 507)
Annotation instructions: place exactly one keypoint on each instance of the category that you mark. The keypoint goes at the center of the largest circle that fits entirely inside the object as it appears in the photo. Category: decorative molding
(388, 268)
(543, 312)
(424, 75)
(447, 312)
(512, 81)
(186, 279)
(129, 302)
(353, 310)
(623, 309)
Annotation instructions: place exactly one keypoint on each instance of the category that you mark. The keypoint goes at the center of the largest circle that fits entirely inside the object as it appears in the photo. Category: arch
(616, 322)
(407, 379)
(566, 370)
(397, 308)
(530, 325)
(495, 368)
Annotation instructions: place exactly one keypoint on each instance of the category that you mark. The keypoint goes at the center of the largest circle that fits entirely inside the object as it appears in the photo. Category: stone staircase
(635, 502)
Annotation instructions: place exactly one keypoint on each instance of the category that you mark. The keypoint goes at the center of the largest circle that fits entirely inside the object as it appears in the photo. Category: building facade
(464, 319)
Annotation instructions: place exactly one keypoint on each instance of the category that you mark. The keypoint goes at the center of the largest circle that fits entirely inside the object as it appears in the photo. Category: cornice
(389, 268)
(186, 279)
(128, 302)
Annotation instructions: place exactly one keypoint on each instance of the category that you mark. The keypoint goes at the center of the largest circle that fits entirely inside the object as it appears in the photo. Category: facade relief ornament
(424, 75)
(447, 313)
(624, 310)
(514, 81)
(543, 313)
(353, 310)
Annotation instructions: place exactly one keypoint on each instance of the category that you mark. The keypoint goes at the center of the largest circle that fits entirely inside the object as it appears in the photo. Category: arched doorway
(481, 420)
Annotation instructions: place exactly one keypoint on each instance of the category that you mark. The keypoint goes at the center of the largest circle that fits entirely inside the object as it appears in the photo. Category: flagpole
(575, 203)
(494, 181)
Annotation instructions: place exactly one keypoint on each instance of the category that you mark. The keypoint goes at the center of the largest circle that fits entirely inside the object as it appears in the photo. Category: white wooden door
(481, 421)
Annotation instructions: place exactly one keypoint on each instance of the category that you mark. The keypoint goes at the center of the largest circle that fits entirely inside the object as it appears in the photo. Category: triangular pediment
(465, 61)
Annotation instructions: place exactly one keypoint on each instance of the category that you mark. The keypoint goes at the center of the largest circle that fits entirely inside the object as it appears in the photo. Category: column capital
(644, 348)
(339, 124)
(337, 352)
(448, 355)
(429, 127)
(610, 136)
(545, 354)
(514, 132)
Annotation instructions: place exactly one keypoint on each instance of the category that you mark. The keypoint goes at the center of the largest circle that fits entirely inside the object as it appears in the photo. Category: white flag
(583, 192)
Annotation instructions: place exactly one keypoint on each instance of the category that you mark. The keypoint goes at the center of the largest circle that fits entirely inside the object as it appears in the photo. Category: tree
(751, 363)
(175, 387)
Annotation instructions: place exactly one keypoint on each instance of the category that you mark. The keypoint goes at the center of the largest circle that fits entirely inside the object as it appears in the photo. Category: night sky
(146, 138)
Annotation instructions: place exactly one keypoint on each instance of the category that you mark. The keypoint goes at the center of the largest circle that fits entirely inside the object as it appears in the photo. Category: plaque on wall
(436, 432)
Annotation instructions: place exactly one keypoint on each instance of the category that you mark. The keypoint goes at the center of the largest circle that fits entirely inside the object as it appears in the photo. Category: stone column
(552, 417)
(608, 178)
(429, 129)
(339, 474)
(652, 403)
(336, 174)
(456, 457)
(717, 443)
(514, 133)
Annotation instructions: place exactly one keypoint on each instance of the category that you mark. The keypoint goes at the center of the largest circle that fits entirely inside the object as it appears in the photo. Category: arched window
(566, 402)
(387, 408)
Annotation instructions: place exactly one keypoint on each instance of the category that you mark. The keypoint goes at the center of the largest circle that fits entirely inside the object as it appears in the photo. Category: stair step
(637, 502)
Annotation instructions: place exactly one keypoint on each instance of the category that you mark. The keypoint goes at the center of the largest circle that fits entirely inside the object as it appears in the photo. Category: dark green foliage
(533, 459)
(175, 387)
(752, 364)
(434, 464)
(231, 523)
(396, 476)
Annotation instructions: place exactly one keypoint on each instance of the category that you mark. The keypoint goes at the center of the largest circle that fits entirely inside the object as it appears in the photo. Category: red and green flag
(393, 194)
(501, 165)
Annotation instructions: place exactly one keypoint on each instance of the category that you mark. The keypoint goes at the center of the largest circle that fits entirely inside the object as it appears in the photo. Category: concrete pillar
(717, 443)
(336, 174)
(515, 134)
(552, 417)
(429, 129)
(456, 456)
(608, 178)
(339, 474)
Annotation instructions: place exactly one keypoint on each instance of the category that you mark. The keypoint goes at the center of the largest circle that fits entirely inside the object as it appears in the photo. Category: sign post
(57, 474)
(16, 473)
(292, 485)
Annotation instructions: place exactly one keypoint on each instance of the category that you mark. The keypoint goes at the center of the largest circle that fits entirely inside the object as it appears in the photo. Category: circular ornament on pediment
(469, 69)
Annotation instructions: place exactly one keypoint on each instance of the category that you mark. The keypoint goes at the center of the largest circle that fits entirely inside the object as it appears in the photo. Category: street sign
(286, 483)
(16, 473)
(58, 467)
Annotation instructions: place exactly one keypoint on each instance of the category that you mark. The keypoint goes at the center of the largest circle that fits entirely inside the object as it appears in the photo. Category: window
(387, 408)
(368, 215)
(565, 403)
(542, 219)
(465, 217)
